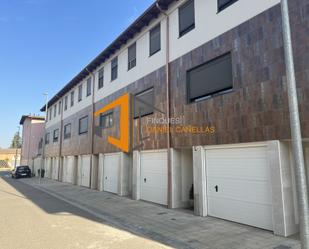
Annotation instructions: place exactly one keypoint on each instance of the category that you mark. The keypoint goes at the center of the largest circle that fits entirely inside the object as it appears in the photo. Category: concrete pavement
(175, 228)
(33, 219)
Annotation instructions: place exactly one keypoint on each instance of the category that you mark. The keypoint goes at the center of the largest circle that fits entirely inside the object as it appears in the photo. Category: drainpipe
(301, 181)
(60, 142)
(168, 136)
(92, 124)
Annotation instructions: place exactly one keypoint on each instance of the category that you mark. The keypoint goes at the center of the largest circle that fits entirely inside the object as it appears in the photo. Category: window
(41, 144)
(101, 78)
(211, 78)
(56, 135)
(89, 87)
(106, 120)
(83, 125)
(59, 107)
(223, 4)
(114, 71)
(80, 92)
(186, 18)
(144, 103)
(55, 110)
(132, 56)
(72, 98)
(47, 138)
(65, 103)
(155, 39)
(50, 113)
(67, 131)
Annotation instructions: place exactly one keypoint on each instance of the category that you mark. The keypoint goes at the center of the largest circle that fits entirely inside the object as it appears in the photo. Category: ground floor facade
(247, 183)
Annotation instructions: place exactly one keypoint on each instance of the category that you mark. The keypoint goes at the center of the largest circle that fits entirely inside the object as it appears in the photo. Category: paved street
(84, 218)
(33, 219)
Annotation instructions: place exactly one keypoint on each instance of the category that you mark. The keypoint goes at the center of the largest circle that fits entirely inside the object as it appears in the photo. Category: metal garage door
(55, 168)
(85, 171)
(111, 172)
(48, 170)
(154, 176)
(238, 187)
(68, 169)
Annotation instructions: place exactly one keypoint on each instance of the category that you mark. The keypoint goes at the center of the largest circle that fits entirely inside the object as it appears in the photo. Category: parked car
(21, 171)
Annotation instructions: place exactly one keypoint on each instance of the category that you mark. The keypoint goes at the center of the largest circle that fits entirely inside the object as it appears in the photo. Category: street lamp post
(301, 181)
(44, 138)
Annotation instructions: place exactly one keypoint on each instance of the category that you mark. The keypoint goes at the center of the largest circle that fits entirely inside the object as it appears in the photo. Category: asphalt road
(30, 218)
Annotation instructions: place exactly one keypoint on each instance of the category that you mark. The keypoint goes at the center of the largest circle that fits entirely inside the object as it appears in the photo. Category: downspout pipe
(92, 125)
(300, 172)
(60, 141)
(168, 136)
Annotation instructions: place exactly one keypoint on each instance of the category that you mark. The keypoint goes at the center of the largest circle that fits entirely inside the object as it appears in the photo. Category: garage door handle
(216, 188)
(145, 180)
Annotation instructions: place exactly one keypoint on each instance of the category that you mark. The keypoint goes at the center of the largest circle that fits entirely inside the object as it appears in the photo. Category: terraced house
(209, 124)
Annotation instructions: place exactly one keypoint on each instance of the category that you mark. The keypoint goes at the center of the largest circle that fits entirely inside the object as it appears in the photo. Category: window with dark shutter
(55, 110)
(186, 18)
(210, 78)
(72, 98)
(223, 4)
(47, 138)
(80, 92)
(59, 107)
(132, 56)
(67, 131)
(83, 125)
(155, 40)
(101, 78)
(106, 120)
(88, 86)
(56, 135)
(65, 103)
(114, 70)
(144, 103)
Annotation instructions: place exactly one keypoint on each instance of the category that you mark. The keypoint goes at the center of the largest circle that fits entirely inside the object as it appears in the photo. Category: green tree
(16, 141)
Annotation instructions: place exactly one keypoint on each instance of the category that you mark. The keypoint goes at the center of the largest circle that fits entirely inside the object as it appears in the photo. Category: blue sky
(45, 43)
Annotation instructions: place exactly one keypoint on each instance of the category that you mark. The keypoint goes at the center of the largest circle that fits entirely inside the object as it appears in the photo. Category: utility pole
(16, 153)
(44, 138)
(300, 173)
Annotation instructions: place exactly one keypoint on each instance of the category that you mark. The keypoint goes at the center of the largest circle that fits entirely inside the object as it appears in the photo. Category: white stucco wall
(208, 25)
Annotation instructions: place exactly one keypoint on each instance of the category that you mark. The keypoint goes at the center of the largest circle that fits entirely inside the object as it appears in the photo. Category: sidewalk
(171, 227)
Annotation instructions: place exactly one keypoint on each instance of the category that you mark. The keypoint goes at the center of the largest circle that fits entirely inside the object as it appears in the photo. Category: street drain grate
(282, 247)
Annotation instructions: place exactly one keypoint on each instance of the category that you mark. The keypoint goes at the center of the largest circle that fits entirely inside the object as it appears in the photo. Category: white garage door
(48, 170)
(154, 176)
(55, 168)
(111, 172)
(85, 171)
(238, 186)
